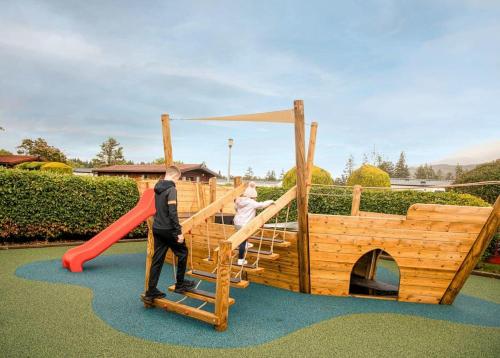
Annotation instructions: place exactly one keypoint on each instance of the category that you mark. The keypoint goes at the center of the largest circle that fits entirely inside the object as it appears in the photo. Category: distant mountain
(445, 168)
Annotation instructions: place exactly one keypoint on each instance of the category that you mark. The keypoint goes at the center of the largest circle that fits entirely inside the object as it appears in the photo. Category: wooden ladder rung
(200, 295)
(268, 241)
(185, 310)
(264, 254)
(248, 267)
(212, 277)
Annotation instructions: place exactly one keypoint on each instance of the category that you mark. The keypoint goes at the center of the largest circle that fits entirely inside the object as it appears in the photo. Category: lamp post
(230, 143)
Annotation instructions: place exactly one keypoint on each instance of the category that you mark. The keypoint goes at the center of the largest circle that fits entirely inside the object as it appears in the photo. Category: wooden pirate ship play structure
(434, 246)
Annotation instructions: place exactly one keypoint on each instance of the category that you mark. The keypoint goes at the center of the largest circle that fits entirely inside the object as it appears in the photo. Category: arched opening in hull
(369, 279)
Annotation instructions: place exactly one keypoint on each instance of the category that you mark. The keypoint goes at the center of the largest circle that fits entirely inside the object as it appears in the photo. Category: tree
(282, 174)
(161, 160)
(319, 176)
(387, 166)
(271, 175)
(369, 175)
(348, 169)
(249, 174)
(483, 172)
(439, 174)
(459, 171)
(111, 153)
(41, 148)
(78, 163)
(365, 159)
(449, 176)
(5, 152)
(425, 172)
(401, 169)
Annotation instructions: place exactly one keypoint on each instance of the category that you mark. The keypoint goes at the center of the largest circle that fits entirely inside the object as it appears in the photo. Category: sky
(419, 76)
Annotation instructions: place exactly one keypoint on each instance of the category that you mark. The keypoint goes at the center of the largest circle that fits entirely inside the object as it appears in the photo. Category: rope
(286, 220)
(256, 263)
(489, 182)
(274, 233)
(331, 195)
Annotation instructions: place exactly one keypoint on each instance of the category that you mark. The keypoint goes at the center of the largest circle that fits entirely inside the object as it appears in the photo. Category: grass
(57, 320)
(487, 267)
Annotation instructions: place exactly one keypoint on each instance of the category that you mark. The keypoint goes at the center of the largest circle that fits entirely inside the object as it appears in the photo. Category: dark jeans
(164, 240)
(243, 245)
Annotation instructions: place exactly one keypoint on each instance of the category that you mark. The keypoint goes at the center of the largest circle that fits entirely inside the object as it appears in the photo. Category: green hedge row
(42, 205)
(337, 201)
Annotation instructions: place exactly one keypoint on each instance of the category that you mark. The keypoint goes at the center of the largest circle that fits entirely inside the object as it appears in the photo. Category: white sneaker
(249, 245)
(242, 262)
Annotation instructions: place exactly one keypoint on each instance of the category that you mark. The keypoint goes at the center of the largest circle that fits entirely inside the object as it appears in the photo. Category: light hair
(172, 172)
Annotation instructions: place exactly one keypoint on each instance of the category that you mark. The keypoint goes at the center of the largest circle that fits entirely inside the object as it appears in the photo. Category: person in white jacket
(246, 207)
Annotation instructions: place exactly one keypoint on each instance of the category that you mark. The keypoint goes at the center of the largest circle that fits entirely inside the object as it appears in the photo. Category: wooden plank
(463, 214)
(318, 223)
(381, 215)
(372, 284)
(302, 210)
(167, 140)
(188, 311)
(484, 238)
(310, 154)
(356, 200)
(212, 277)
(223, 285)
(200, 295)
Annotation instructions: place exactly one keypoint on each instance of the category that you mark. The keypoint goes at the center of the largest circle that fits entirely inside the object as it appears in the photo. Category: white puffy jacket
(246, 209)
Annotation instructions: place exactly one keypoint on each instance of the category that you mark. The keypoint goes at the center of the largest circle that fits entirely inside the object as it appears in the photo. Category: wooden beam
(302, 234)
(483, 240)
(212, 209)
(186, 310)
(237, 181)
(356, 200)
(212, 182)
(222, 285)
(167, 140)
(310, 154)
(256, 223)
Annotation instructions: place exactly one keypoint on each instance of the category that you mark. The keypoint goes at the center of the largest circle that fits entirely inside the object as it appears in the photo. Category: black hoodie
(166, 217)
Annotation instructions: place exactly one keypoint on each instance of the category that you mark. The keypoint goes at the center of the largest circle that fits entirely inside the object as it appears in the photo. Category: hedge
(483, 172)
(368, 175)
(30, 165)
(57, 167)
(43, 205)
(319, 176)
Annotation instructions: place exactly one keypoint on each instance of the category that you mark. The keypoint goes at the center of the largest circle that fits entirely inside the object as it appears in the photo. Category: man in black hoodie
(167, 234)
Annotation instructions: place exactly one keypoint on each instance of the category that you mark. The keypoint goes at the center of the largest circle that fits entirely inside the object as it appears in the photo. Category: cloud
(479, 153)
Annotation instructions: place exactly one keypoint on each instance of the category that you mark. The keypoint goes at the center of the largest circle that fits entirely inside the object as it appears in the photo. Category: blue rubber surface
(260, 314)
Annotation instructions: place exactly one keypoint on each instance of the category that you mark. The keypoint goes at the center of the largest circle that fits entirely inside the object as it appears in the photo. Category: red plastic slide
(74, 258)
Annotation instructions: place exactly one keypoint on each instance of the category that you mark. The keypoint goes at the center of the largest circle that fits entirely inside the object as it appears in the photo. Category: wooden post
(310, 154)
(223, 285)
(213, 193)
(302, 234)
(356, 200)
(167, 140)
(483, 240)
(213, 189)
(236, 181)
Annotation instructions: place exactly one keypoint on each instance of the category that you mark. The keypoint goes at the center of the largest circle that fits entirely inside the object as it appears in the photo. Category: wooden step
(183, 309)
(268, 241)
(200, 295)
(372, 284)
(248, 267)
(264, 254)
(212, 277)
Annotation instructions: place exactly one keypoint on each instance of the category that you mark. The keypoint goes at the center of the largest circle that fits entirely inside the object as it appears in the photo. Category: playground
(364, 283)
(97, 313)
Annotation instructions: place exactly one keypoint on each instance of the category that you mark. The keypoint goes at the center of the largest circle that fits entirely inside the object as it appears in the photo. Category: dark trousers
(164, 240)
(242, 249)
